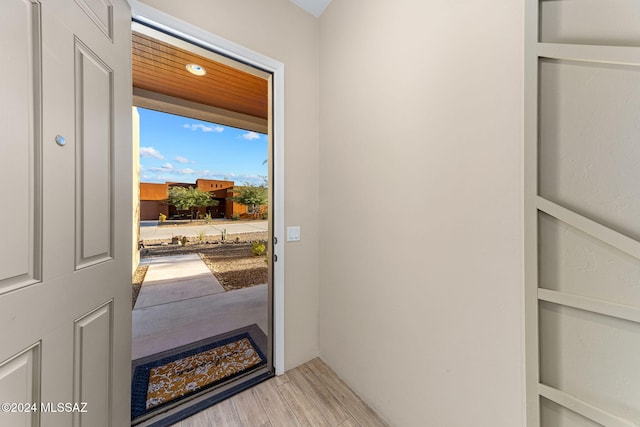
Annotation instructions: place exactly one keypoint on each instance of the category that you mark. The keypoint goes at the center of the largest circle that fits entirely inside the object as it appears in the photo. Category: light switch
(293, 234)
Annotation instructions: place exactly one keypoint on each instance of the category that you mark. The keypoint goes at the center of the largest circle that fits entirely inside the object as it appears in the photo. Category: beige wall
(282, 31)
(421, 310)
(422, 100)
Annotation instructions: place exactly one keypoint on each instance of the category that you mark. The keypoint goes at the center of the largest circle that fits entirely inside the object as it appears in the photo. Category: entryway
(170, 325)
(309, 395)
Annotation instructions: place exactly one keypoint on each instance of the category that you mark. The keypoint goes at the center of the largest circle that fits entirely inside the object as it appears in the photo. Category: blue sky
(175, 148)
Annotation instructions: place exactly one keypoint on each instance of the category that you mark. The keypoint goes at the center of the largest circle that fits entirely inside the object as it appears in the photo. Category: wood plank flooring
(310, 395)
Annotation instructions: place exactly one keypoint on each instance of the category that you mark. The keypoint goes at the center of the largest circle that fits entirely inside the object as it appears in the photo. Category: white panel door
(583, 213)
(65, 259)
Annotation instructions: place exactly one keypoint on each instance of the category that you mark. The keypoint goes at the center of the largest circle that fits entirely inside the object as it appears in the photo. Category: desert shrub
(258, 248)
(184, 240)
(235, 217)
(201, 235)
(207, 218)
(162, 217)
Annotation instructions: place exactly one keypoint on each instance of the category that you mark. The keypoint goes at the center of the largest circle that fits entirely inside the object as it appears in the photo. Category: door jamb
(160, 20)
(532, 363)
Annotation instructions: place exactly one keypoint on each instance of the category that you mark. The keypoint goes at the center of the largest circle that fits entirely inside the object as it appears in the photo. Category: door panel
(574, 262)
(93, 338)
(94, 104)
(66, 337)
(20, 255)
(20, 382)
(554, 415)
(588, 121)
(592, 357)
(590, 22)
(101, 13)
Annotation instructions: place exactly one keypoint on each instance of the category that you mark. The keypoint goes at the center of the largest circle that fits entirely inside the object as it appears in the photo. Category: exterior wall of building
(211, 185)
(153, 198)
(241, 210)
(220, 190)
(150, 210)
(153, 191)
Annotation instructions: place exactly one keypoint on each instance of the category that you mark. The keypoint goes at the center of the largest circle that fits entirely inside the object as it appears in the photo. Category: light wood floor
(310, 395)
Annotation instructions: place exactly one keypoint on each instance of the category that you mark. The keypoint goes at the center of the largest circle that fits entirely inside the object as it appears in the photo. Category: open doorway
(225, 100)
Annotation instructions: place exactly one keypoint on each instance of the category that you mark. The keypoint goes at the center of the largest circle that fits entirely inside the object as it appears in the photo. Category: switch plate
(293, 234)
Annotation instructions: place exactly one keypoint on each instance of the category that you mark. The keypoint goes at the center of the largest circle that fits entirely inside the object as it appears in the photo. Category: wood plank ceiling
(160, 67)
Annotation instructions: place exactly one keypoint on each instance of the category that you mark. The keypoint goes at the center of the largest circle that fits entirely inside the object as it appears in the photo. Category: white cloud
(185, 171)
(150, 152)
(167, 167)
(230, 176)
(203, 128)
(162, 174)
(181, 159)
(251, 135)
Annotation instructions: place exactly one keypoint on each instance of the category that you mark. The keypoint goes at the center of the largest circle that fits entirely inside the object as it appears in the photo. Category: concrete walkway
(176, 278)
(181, 302)
(150, 230)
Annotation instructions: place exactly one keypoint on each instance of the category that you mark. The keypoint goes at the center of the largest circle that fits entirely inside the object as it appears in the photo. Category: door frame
(165, 22)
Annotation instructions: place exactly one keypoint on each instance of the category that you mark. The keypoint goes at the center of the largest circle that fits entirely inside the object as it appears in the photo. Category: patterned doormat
(171, 378)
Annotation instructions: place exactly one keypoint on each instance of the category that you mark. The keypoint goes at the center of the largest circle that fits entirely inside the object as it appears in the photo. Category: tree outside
(254, 197)
(190, 198)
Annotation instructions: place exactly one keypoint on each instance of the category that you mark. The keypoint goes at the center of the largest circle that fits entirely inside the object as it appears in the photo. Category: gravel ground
(231, 262)
(136, 281)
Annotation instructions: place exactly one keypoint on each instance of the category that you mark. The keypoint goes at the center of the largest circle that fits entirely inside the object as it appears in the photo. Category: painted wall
(284, 32)
(421, 310)
(153, 191)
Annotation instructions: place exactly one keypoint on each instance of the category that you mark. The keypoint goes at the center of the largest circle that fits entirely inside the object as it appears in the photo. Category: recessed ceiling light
(196, 69)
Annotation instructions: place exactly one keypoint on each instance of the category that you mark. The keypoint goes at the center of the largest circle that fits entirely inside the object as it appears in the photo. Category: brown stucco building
(153, 200)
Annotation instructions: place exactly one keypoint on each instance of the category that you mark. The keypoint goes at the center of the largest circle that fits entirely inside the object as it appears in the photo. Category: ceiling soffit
(160, 67)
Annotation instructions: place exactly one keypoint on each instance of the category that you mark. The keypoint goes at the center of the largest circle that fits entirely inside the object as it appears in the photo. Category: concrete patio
(181, 302)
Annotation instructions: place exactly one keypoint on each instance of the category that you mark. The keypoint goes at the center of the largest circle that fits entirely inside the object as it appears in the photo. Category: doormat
(171, 378)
